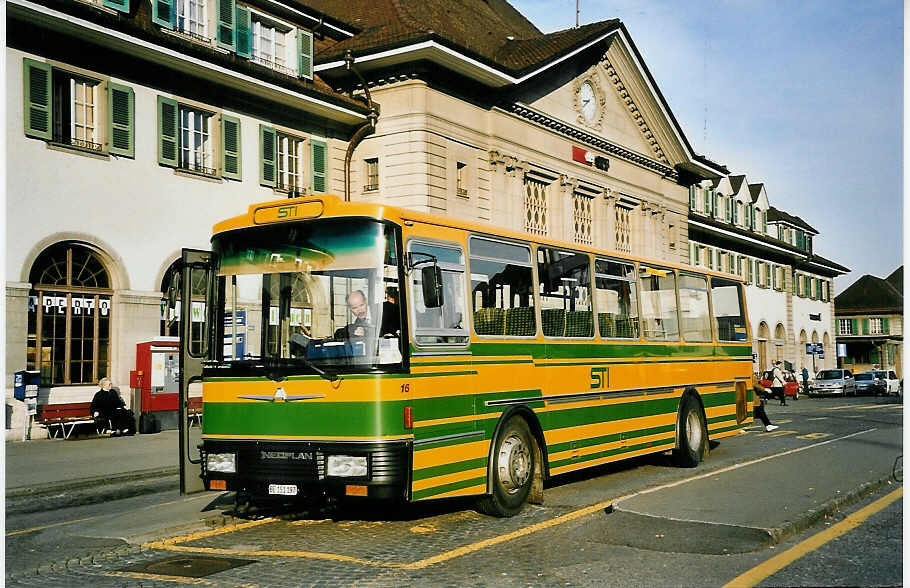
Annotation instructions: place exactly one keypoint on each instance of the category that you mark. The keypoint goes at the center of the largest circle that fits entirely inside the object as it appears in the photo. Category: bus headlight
(221, 462)
(346, 466)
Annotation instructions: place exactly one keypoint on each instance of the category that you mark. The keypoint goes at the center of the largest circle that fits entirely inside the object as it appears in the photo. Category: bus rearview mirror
(431, 278)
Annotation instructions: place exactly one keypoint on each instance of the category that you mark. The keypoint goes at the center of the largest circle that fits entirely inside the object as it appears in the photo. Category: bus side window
(616, 299)
(695, 319)
(565, 293)
(659, 314)
(502, 289)
(444, 325)
(729, 315)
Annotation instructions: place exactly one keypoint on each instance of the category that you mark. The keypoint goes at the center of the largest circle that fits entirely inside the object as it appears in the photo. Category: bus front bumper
(308, 469)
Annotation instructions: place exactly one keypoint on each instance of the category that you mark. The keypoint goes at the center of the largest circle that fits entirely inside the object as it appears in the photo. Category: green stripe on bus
(356, 419)
(606, 350)
(590, 441)
(449, 468)
(427, 492)
(470, 362)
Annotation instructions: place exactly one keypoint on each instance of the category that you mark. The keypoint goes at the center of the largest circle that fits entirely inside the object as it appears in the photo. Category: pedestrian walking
(805, 380)
(758, 406)
(778, 382)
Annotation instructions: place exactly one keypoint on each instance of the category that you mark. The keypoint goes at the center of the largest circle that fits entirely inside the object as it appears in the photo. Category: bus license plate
(283, 489)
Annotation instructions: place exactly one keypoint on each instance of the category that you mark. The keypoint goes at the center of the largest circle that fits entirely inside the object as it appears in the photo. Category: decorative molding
(624, 95)
(582, 136)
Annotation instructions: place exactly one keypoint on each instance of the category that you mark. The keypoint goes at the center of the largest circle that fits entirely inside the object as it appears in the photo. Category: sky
(805, 96)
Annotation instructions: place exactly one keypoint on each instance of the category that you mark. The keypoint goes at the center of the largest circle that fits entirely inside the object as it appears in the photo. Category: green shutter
(226, 30)
(267, 141)
(710, 257)
(243, 31)
(305, 54)
(121, 5)
(885, 328)
(163, 13)
(691, 197)
(230, 147)
(714, 204)
(121, 119)
(855, 327)
(865, 326)
(37, 98)
(318, 164)
(167, 131)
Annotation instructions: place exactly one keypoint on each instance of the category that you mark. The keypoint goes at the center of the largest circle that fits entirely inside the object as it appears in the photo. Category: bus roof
(330, 205)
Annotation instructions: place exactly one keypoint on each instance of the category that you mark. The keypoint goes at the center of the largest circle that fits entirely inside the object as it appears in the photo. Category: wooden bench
(65, 418)
(194, 410)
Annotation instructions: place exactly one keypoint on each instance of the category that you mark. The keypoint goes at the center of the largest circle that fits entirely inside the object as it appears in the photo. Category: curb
(812, 517)
(94, 491)
(52, 487)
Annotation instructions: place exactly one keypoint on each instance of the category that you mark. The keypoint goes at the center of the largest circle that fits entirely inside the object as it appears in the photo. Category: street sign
(815, 348)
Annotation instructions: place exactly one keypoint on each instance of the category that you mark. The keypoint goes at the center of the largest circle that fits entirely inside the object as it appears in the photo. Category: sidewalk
(54, 473)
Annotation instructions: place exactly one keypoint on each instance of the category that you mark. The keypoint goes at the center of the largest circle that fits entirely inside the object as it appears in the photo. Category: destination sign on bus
(288, 212)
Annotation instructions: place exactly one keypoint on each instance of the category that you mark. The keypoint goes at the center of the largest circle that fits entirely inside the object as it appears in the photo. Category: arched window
(69, 316)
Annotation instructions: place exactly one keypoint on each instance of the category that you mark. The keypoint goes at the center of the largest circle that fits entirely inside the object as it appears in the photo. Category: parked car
(791, 386)
(892, 382)
(837, 381)
(870, 383)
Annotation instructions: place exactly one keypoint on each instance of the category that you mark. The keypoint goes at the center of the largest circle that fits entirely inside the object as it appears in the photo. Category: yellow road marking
(814, 436)
(161, 578)
(41, 528)
(171, 544)
(841, 407)
(782, 560)
(781, 433)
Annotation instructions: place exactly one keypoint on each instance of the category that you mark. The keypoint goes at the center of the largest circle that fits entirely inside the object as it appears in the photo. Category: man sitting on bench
(108, 407)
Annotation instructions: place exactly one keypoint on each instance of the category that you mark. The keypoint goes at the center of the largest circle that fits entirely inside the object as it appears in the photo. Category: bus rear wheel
(693, 435)
(513, 463)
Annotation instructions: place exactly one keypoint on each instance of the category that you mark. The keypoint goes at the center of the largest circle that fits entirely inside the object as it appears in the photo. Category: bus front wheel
(693, 435)
(512, 471)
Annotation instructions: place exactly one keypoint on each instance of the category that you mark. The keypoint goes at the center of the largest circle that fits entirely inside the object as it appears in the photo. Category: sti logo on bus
(287, 211)
(600, 378)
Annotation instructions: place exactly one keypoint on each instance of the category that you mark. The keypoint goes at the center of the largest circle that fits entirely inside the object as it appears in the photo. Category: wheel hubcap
(693, 430)
(513, 464)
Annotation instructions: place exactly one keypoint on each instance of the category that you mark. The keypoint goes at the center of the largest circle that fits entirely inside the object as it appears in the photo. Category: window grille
(536, 207)
(191, 18)
(845, 327)
(623, 229)
(583, 218)
(195, 141)
(875, 326)
(372, 174)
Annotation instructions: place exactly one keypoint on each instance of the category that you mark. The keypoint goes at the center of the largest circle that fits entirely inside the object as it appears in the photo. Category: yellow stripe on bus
(566, 434)
(308, 437)
(448, 478)
(581, 451)
(428, 458)
(619, 456)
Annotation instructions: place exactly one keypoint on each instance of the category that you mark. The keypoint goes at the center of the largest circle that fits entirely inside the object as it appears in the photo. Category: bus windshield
(322, 292)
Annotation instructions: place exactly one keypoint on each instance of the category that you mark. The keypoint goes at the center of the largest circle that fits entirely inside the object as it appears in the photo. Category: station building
(135, 125)
(734, 228)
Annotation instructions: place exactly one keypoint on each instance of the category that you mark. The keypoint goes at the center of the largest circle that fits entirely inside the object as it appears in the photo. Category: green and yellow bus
(376, 352)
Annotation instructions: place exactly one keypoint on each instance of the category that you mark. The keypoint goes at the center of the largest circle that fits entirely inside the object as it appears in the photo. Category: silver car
(833, 382)
(870, 383)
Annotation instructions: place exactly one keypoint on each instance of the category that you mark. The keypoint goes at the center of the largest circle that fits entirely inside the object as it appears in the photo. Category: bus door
(194, 287)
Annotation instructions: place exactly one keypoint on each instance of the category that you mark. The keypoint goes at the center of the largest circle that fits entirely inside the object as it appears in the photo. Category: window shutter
(710, 257)
(230, 147)
(305, 54)
(318, 163)
(163, 13)
(691, 197)
(226, 29)
(167, 131)
(37, 99)
(865, 326)
(121, 5)
(714, 203)
(885, 328)
(267, 140)
(244, 42)
(121, 108)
